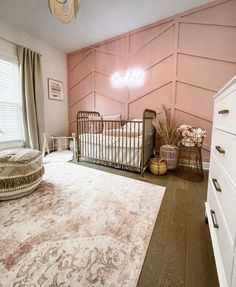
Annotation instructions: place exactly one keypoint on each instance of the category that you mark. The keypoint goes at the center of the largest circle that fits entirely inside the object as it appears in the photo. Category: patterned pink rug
(80, 228)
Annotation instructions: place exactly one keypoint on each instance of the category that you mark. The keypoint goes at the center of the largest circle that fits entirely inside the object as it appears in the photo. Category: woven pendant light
(65, 10)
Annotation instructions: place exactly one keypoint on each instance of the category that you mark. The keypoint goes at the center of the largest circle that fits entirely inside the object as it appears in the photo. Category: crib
(116, 143)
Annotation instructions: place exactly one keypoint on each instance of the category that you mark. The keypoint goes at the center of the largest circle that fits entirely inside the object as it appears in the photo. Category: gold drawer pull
(216, 184)
(213, 217)
(221, 112)
(220, 149)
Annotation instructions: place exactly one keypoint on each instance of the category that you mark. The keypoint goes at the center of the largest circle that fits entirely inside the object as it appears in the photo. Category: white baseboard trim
(206, 165)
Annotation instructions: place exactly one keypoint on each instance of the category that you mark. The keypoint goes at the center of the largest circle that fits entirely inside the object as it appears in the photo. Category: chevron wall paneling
(186, 60)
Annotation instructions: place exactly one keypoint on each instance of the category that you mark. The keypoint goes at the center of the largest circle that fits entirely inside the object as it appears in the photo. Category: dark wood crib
(119, 144)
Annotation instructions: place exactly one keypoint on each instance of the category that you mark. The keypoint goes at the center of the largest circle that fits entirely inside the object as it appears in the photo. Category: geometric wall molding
(186, 58)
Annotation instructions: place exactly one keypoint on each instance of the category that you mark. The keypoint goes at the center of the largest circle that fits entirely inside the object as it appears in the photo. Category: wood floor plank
(154, 257)
(173, 270)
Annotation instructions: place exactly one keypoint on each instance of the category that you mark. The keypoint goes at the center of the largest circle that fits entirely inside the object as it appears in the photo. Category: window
(11, 122)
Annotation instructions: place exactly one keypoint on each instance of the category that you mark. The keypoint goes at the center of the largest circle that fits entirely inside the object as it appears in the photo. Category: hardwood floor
(180, 252)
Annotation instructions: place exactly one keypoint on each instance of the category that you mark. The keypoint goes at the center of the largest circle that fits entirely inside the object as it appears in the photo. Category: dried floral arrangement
(191, 136)
(166, 127)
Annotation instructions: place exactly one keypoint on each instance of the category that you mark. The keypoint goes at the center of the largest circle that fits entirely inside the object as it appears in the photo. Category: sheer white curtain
(11, 121)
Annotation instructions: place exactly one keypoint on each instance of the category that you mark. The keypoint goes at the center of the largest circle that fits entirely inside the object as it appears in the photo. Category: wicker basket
(170, 154)
(157, 166)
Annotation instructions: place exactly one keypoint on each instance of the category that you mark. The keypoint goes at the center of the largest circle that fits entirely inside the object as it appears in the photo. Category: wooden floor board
(180, 251)
(173, 269)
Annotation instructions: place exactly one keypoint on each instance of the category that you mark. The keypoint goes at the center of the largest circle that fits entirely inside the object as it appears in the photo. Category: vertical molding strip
(68, 96)
(93, 78)
(127, 56)
(174, 66)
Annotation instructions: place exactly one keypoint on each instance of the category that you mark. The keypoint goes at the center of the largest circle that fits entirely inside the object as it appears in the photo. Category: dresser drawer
(224, 149)
(226, 195)
(217, 221)
(225, 111)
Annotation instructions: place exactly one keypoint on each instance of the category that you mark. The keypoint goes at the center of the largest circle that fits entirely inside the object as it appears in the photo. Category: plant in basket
(166, 127)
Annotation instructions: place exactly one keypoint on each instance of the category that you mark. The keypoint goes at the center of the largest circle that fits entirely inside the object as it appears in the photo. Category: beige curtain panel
(32, 94)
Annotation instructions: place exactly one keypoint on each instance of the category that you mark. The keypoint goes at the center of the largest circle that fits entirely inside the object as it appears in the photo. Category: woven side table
(189, 165)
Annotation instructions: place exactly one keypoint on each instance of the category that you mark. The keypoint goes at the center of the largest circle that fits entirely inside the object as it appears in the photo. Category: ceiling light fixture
(65, 10)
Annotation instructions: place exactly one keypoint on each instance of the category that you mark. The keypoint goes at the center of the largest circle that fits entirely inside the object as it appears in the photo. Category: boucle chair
(21, 171)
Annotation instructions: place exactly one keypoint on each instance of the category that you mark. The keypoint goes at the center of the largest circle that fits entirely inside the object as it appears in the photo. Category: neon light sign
(131, 78)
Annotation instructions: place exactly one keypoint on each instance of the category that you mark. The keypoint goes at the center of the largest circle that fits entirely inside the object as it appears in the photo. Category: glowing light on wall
(131, 78)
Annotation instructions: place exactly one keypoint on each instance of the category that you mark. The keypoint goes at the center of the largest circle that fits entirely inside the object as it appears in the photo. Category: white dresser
(221, 197)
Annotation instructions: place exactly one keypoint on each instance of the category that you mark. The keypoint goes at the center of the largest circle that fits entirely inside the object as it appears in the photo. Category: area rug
(80, 228)
(58, 156)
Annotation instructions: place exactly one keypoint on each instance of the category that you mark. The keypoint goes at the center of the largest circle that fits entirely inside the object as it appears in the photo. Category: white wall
(54, 66)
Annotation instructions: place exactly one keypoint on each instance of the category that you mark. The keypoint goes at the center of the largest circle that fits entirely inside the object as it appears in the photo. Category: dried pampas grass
(166, 127)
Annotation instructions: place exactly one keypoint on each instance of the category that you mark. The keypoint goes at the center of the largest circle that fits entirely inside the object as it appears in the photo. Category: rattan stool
(189, 165)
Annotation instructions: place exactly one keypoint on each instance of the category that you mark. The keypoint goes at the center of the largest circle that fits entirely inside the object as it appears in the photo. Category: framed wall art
(55, 90)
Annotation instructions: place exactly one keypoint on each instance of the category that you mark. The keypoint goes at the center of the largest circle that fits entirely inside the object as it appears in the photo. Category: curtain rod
(14, 43)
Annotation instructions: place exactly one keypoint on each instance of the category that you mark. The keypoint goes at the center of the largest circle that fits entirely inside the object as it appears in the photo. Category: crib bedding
(125, 150)
(126, 156)
(123, 132)
(109, 140)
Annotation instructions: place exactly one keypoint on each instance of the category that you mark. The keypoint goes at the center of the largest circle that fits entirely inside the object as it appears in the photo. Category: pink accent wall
(186, 58)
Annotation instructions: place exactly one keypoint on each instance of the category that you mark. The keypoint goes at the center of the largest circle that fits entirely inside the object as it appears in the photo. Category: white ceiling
(97, 19)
